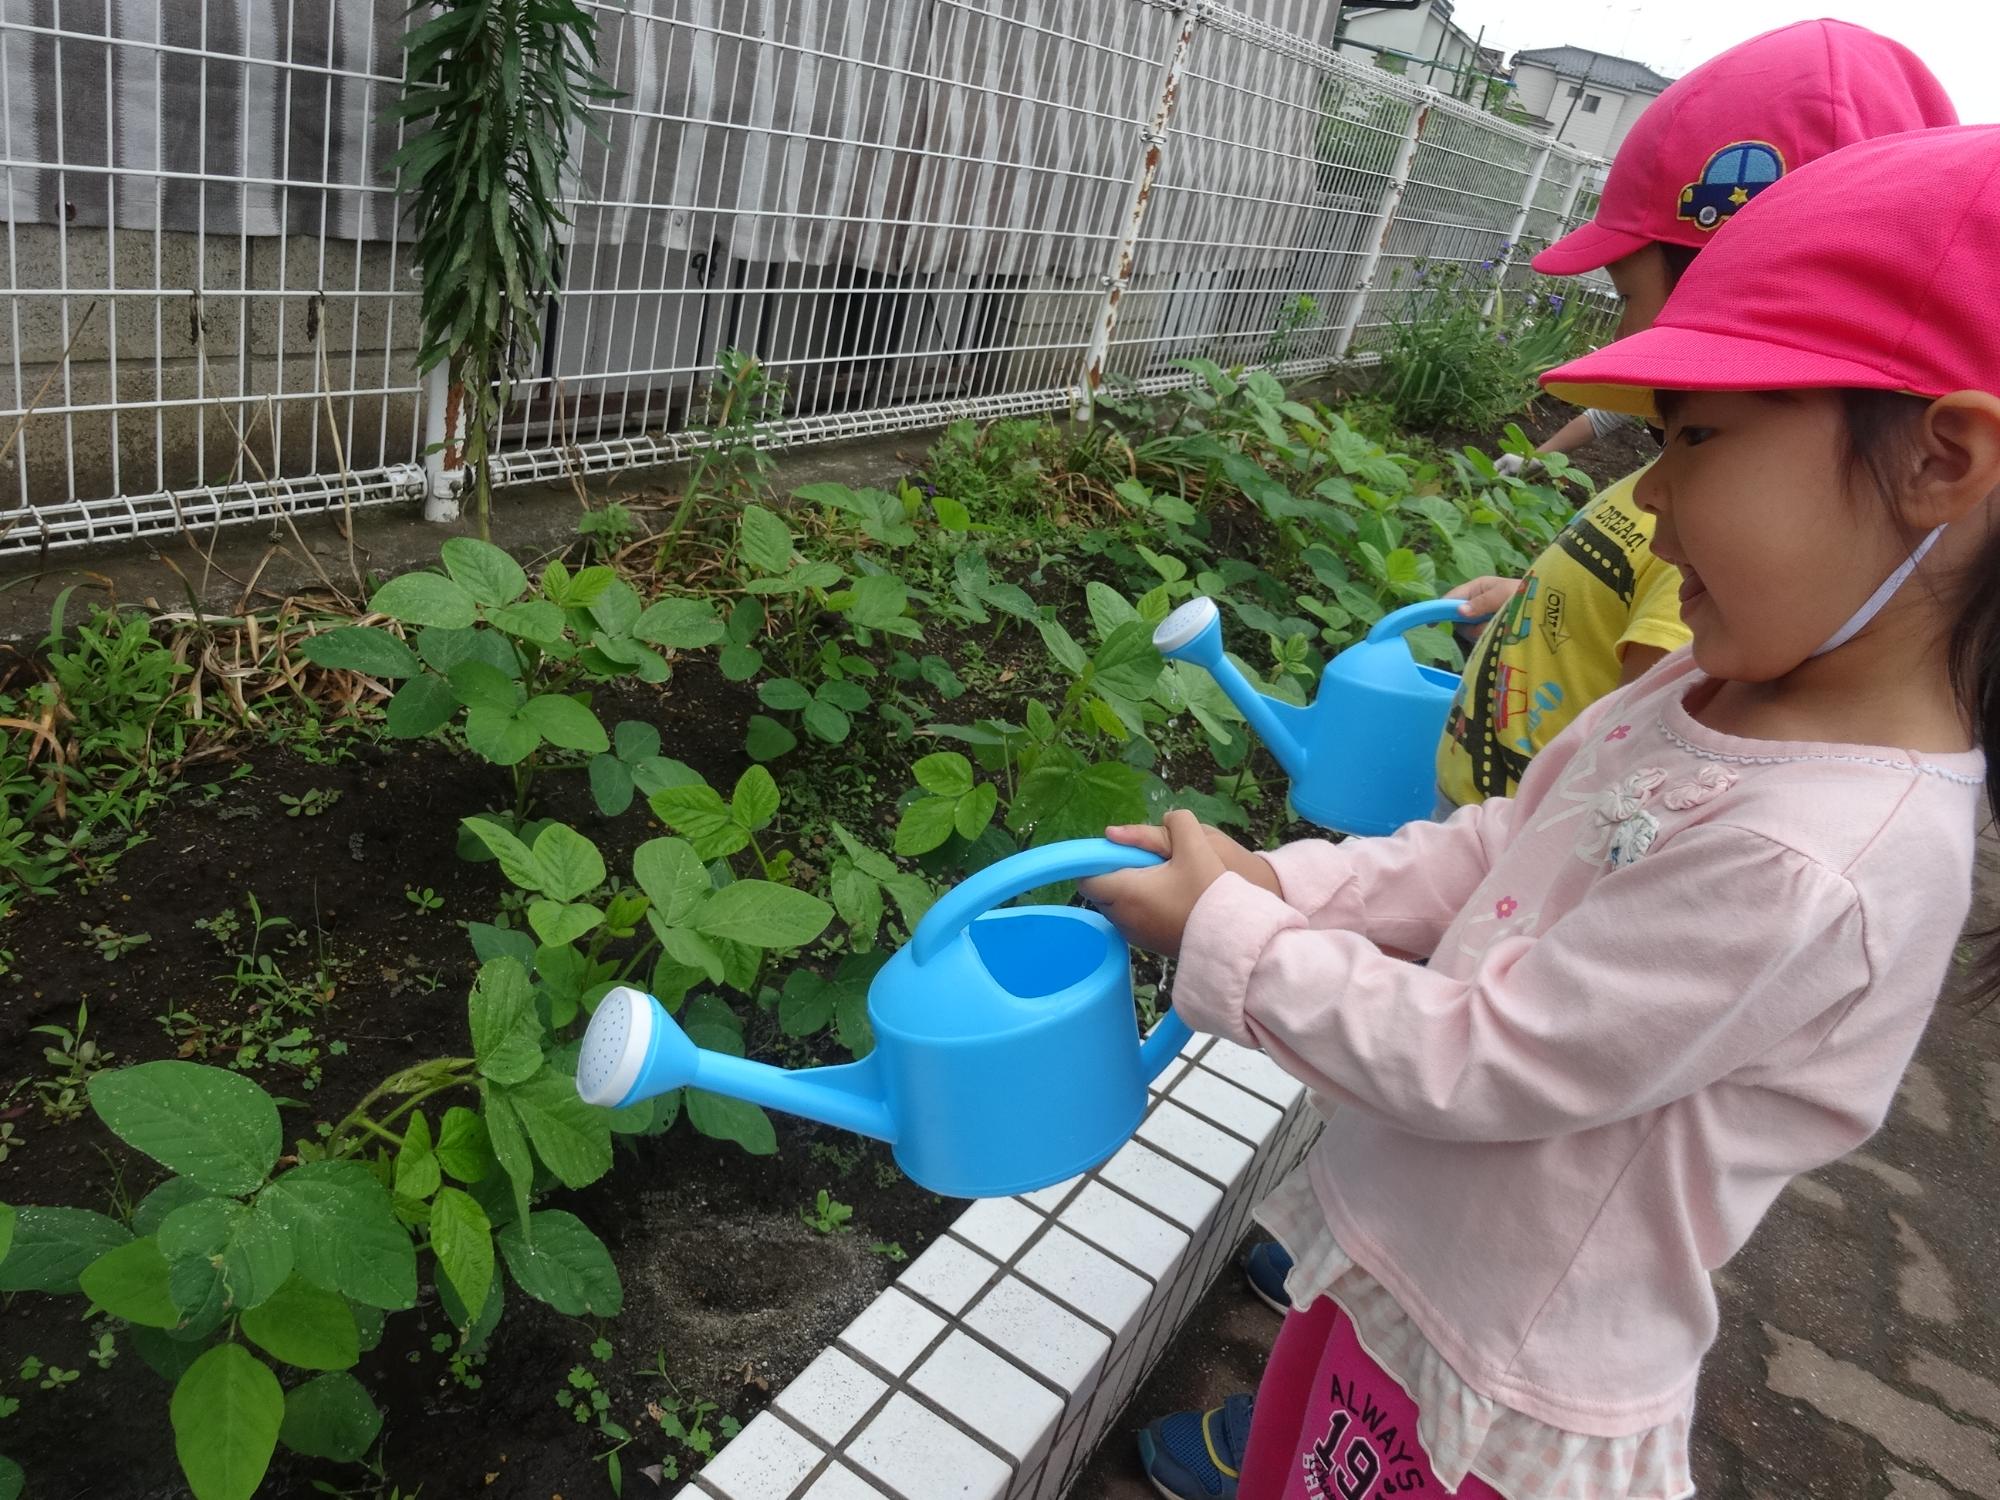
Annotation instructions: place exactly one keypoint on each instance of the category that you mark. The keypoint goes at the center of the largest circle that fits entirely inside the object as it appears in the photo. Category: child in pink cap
(1693, 956)
(1598, 608)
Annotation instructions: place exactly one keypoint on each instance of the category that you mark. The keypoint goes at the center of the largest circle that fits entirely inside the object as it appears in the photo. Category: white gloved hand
(1511, 464)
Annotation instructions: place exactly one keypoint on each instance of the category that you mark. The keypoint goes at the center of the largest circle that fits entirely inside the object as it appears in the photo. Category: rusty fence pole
(444, 438)
(1153, 140)
(1505, 259)
(1397, 184)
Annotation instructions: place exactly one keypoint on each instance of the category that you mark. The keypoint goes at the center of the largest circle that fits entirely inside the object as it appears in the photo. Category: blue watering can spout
(1006, 1051)
(1194, 633)
(1361, 757)
(634, 1050)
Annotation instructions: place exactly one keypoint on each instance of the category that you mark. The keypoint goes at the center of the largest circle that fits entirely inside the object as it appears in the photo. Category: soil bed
(726, 1288)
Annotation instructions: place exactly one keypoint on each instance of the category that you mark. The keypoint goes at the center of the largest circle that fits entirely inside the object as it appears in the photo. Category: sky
(1958, 39)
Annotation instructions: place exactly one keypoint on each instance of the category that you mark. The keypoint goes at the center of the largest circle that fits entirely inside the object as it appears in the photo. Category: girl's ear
(1959, 459)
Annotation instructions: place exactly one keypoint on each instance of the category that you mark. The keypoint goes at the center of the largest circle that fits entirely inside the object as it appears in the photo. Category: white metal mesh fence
(907, 210)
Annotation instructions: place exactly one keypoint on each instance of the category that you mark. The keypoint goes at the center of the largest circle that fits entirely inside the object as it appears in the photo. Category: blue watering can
(1362, 758)
(1007, 1056)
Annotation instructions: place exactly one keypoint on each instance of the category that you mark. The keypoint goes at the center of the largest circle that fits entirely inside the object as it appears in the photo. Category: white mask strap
(1881, 596)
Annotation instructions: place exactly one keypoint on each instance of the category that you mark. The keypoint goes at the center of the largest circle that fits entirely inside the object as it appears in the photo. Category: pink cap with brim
(1871, 268)
(1738, 123)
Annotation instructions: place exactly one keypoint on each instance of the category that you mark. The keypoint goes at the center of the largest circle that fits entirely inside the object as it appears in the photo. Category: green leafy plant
(496, 91)
(827, 1214)
(425, 900)
(1447, 360)
(518, 661)
(111, 944)
(309, 804)
(73, 1059)
(955, 803)
(234, 1264)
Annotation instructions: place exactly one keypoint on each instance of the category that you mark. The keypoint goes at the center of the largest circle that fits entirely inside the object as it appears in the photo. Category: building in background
(1419, 41)
(1590, 99)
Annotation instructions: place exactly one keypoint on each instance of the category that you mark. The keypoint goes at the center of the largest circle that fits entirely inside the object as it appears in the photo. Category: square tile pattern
(997, 1362)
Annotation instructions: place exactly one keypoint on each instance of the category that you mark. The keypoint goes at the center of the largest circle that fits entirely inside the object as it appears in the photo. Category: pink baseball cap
(1739, 122)
(1872, 267)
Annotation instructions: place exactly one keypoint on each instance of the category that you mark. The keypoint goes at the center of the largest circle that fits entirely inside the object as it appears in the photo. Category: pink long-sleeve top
(1676, 970)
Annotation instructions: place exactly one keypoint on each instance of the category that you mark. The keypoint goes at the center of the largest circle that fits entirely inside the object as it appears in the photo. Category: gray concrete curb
(1003, 1353)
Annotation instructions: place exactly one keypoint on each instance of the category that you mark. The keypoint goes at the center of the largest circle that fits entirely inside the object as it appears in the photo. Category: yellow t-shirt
(1558, 646)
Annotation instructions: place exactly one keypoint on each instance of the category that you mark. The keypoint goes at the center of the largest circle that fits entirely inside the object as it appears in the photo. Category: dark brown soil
(725, 1285)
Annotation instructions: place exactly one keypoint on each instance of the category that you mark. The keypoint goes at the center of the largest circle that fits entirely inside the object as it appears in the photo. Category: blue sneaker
(1195, 1455)
(1265, 1268)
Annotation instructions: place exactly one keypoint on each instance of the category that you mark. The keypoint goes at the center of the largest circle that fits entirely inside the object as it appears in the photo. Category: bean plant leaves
(557, 922)
(130, 1282)
(6, 1230)
(208, 1124)
(568, 863)
(463, 1149)
(253, 1253)
(672, 876)
(345, 1236)
(331, 1417)
(767, 739)
(945, 774)
(417, 1170)
(510, 1147)
(725, 1119)
(462, 1240)
(305, 1326)
(762, 914)
(421, 705)
(564, 722)
(483, 570)
(355, 648)
(506, 1032)
(926, 824)
(700, 814)
(51, 1245)
(226, 1412)
(555, 1259)
(425, 599)
(678, 624)
(755, 801)
(573, 1139)
(12, 1480)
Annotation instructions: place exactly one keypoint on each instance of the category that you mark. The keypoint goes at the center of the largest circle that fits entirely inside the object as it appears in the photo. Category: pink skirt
(1329, 1424)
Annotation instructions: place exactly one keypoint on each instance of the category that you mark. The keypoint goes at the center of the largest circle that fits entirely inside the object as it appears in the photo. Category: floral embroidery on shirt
(1618, 734)
(1505, 907)
(1632, 838)
(1612, 807)
(1707, 782)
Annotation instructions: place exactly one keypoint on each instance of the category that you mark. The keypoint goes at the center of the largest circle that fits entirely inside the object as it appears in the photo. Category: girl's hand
(1151, 907)
(1235, 858)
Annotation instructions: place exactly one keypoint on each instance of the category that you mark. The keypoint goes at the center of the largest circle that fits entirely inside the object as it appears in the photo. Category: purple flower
(1486, 265)
(1555, 303)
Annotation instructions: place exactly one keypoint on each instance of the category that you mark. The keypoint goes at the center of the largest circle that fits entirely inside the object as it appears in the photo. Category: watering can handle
(1024, 872)
(1410, 616)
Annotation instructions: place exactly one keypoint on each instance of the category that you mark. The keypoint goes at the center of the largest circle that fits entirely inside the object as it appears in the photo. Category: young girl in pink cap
(1694, 954)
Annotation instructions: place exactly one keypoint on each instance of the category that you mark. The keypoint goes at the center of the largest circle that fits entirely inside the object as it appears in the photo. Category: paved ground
(1859, 1357)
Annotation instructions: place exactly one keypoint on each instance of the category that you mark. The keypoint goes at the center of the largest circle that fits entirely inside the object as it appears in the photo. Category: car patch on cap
(1733, 176)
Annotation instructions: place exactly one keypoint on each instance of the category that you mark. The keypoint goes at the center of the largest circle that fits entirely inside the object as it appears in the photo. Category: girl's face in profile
(1776, 546)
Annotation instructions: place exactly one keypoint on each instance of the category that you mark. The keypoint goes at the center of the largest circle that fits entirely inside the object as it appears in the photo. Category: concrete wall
(174, 325)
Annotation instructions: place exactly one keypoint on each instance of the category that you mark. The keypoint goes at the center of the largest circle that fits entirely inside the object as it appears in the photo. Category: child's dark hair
(1882, 437)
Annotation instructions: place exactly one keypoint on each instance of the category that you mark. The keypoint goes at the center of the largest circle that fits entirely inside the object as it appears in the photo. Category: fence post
(1514, 231)
(1154, 139)
(1571, 194)
(1385, 218)
(444, 433)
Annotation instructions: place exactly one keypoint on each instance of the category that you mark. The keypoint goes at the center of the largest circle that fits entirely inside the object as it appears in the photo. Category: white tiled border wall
(993, 1366)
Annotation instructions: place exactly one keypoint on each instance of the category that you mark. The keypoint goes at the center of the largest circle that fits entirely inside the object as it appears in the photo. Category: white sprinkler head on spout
(615, 1047)
(1180, 628)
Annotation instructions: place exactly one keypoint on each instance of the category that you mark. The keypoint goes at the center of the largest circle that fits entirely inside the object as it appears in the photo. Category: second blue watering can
(1362, 758)
(1007, 1054)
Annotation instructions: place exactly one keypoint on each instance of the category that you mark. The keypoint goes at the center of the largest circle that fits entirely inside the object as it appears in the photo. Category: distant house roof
(1599, 67)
